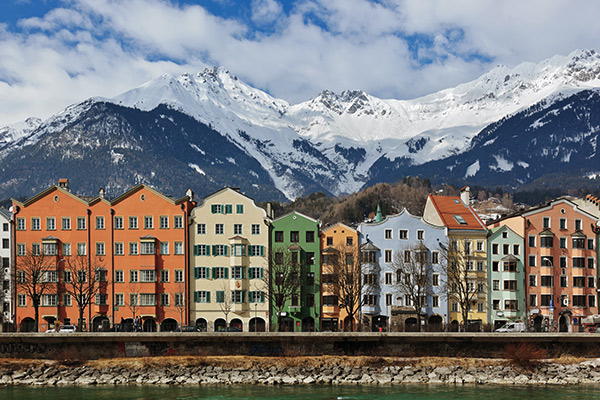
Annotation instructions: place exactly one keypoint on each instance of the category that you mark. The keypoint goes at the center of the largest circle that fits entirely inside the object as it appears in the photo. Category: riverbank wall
(91, 346)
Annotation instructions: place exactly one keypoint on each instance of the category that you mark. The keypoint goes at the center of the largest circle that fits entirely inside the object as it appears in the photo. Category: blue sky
(58, 52)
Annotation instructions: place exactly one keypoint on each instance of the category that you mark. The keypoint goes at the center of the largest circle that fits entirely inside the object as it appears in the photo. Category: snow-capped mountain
(336, 143)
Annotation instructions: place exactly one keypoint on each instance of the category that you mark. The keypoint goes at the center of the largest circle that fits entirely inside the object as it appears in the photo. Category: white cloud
(104, 47)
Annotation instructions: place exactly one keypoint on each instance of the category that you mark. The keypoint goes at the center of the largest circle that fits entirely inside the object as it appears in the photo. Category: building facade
(506, 277)
(229, 239)
(295, 246)
(5, 264)
(405, 247)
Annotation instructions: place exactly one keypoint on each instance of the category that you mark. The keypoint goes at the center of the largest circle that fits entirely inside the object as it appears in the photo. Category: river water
(401, 392)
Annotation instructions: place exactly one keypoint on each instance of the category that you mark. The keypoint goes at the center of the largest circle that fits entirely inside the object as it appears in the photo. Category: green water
(404, 392)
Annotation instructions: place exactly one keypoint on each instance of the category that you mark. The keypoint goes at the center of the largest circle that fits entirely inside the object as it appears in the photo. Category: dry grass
(524, 354)
(566, 359)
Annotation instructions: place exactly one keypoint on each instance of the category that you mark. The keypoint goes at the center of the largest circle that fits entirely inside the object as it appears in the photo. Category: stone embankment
(546, 373)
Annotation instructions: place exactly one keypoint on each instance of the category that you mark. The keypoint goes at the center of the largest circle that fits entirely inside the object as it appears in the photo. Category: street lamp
(255, 315)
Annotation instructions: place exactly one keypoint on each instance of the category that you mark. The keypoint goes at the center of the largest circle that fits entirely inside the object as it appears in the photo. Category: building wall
(544, 263)
(344, 239)
(205, 309)
(505, 286)
(5, 264)
(388, 294)
(296, 222)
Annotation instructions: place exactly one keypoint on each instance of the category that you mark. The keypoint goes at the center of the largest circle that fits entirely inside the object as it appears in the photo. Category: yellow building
(465, 256)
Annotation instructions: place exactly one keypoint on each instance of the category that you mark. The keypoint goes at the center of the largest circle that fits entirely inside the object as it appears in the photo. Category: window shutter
(228, 208)
(262, 294)
(196, 272)
(225, 250)
(214, 249)
(243, 272)
(214, 273)
(213, 208)
(249, 249)
(196, 297)
(196, 251)
(262, 276)
(208, 297)
(262, 251)
(226, 274)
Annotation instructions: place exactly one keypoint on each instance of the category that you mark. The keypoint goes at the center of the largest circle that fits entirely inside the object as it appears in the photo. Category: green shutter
(262, 251)
(213, 208)
(262, 296)
(214, 273)
(228, 208)
(226, 274)
(262, 276)
(208, 297)
(196, 297)
(226, 250)
(196, 272)
(196, 250)
(243, 272)
(214, 249)
(239, 208)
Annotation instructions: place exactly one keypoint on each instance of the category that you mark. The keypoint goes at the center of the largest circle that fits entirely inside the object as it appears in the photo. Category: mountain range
(509, 127)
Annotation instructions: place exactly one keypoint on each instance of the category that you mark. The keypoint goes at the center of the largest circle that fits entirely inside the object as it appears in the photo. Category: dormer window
(460, 220)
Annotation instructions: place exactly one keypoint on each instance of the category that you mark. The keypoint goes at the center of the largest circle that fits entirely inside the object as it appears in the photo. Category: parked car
(513, 327)
(187, 329)
(63, 329)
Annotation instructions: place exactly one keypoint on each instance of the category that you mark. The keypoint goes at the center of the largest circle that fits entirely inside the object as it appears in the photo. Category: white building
(5, 257)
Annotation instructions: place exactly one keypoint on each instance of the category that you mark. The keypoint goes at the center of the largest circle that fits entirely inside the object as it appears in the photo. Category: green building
(506, 277)
(295, 264)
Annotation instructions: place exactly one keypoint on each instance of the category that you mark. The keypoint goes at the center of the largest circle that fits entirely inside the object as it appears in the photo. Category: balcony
(371, 309)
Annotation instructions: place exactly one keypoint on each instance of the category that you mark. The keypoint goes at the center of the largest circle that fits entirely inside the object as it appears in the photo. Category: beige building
(229, 240)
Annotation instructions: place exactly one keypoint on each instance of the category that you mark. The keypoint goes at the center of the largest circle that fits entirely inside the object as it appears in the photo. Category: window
(178, 275)
(238, 272)
(562, 224)
(510, 266)
(592, 301)
(495, 248)
(295, 301)
(164, 222)
(20, 223)
(201, 229)
(310, 236)
(178, 222)
(479, 245)
(35, 249)
(148, 299)
(590, 244)
(454, 306)
(67, 300)
(562, 262)
(133, 299)
(590, 263)
(505, 249)
(579, 281)
(255, 273)
(133, 276)
(310, 278)
(510, 285)
(388, 256)
(101, 299)
(460, 220)
(178, 248)
(546, 222)
(255, 229)
(148, 248)
(591, 282)
(164, 275)
(578, 262)
(119, 276)
(578, 301)
(532, 259)
(49, 300)
(294, 236)
(203, 296)
(219, 229)
(217, 208)
(547, 281)
(256, 297)
(119, 251)
(164, 247)
(147, 275)
(100, 222)
(279, 236)
(310, 258)
(164, 299)
(403, 234)
(420, 235)
(237, 229)
(133, 248)
(546, 241)
(511, 304)
(256, 250)
(480, 266)
(577, 224)
(81, 249)
(533, 300)
(21, 249)
(435, 280)
(531, 241)
(435, 257)
(239, 208)
(35, 224)
(118, 222)
(370, 299)
(50, 223)
(389, 278)
(533, 280)
(563, 281)
(480, 307)
(179, 300)
(562, 242)
(435, 301)
(370, 279)
(119, 299)
(469, 265)
(99, 248)
(329, 241)
(546, 299)
(495, 284)
(148, 222)
(388, 234)
(133, 222)
(5, 227)
(388, 299)
(66, 223)
(201, 273)
(579, 243)
(238, 296)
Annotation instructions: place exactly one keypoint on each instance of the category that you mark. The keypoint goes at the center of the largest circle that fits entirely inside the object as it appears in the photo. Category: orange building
(339, 244)
(134, 247)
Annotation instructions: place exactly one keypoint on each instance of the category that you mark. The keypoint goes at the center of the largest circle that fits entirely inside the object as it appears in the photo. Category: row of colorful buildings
(224, 263)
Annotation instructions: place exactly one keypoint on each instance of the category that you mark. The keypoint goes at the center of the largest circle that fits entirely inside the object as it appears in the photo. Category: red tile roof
(455, 214)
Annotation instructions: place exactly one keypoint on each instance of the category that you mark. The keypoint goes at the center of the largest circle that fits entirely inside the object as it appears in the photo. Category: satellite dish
(10, 209)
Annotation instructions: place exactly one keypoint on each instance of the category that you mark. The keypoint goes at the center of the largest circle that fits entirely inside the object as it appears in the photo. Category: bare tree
(179, 301)
(37, 276)
(343, 269)
(413, 276)
(84, 278)
(133, 303)
(283, 280)
(226, 304)
(462, 282)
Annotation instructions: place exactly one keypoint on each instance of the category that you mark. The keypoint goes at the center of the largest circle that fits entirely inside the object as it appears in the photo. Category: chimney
(190, 194)
(269, 211)
(101, 193)
(465, 195)
(63, 184)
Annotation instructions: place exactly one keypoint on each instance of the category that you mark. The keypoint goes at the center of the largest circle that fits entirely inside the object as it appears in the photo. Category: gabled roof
(141, 186)
(403, 213)
(369, 247)
(455, 214)
(510, 258)
(330, 250)
(5, 214)
(338, 225)
(495, 231)
(46, 192)
(299, 214)
(573, 202)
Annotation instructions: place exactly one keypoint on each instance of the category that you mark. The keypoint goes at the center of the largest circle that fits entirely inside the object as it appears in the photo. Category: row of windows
(388, 256)
(295, 236)
(235, 296)
(454, 307)
(51, 300)
(81, 223)
(403, 234)
(238, 229)
(51, 276)
(548, 281)
(509, 305)
(237, 250)
(562, 223)
(372, 279)
(134, 248)
(545, 300)
(563, 262)
(506, 249)
(148, 275)
(226, 208)
(237, 272)
(349, 240)
(548, 242)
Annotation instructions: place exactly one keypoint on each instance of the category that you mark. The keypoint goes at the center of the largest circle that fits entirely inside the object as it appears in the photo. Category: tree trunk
(80, 322)
(37, 317)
